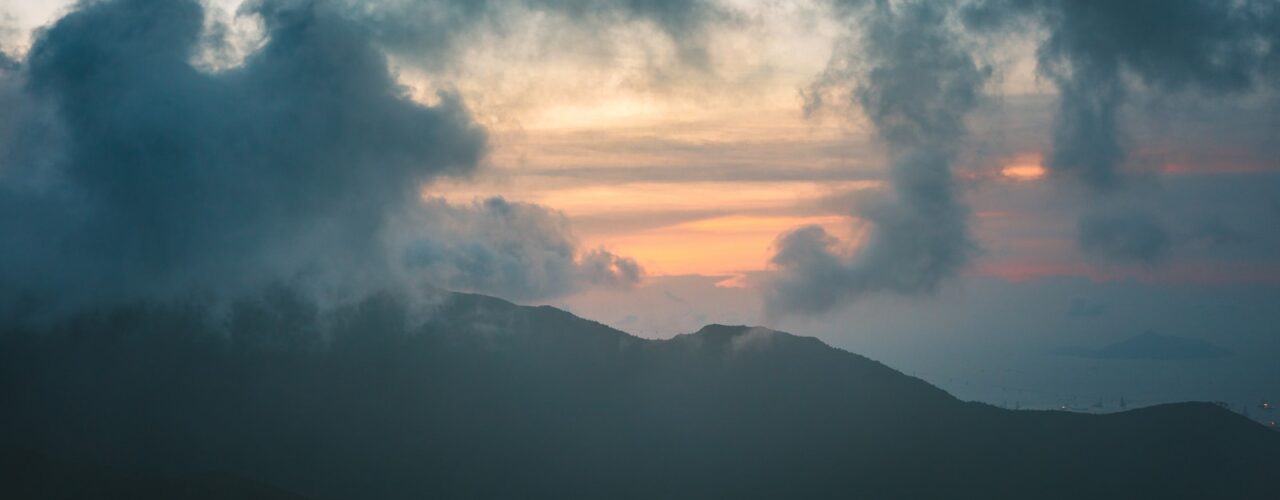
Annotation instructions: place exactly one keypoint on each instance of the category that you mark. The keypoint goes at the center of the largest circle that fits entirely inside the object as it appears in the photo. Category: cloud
(1101, 55)
(813, 277)
(1084, 307)
(1205, 46)
(913, 79)
(513, 250)
(1126, 237)
(1129, 235)
(130, 173)
(170, 177)
(432, 33)
(1215, 232)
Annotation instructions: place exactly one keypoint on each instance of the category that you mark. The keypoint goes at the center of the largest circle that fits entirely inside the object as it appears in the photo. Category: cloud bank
(147, 151)
(130, 173)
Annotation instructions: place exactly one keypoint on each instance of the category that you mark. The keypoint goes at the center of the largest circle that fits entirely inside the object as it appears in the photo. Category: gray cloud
(1101, 55)
(1127, 237)
(1215, 232)
(513, 250)
(916, 83)
(1100, 58)
(129, 173)
(170, 177)
(1084, 307)
(917, 88)
(1196, 45)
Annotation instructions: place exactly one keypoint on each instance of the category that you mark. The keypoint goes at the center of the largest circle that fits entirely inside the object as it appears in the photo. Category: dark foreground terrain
(480, 398)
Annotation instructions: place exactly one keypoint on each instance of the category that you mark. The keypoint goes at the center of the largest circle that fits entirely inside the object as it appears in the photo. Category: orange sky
(690, 205)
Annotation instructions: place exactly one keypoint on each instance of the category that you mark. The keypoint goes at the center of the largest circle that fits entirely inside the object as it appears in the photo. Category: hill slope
(29, 475)
(483, 398)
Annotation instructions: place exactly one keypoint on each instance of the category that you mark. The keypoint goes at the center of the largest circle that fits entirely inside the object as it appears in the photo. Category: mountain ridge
(484, 398)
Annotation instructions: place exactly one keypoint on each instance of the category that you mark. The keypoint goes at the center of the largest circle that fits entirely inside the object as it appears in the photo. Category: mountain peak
(738, 337)
(717, 330)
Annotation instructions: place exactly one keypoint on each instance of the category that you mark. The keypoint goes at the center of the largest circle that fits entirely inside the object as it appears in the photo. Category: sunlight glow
(1023, 171)
(726, 245)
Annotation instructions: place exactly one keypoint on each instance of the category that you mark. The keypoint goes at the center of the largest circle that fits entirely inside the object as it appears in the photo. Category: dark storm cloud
(128, 173)
(914, 80)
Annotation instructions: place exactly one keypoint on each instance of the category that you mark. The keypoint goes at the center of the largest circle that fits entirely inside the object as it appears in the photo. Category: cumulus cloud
(130, 173)
(514, 250)
(169, 177)
(910, 74)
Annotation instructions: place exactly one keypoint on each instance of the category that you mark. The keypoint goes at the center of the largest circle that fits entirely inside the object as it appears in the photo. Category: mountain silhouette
(476, 397)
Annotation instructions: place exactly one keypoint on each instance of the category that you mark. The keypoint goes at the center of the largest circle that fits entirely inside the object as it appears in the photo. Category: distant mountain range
(480, 398)
(1153, 346)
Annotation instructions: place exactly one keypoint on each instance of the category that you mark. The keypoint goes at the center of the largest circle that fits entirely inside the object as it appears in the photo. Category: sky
(945, 186)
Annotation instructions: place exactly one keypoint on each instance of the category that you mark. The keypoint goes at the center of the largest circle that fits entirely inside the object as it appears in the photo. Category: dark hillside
(479, 397)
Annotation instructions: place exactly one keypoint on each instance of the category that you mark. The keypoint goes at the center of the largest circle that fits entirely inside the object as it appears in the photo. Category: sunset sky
(696, 168)
(1050, 185)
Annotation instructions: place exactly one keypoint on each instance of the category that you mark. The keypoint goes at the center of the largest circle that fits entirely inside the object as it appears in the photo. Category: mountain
(28, 474)
(1153, 346)
(476, 397)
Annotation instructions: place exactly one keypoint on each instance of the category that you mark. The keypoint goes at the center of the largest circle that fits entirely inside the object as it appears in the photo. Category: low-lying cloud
(514, 250)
